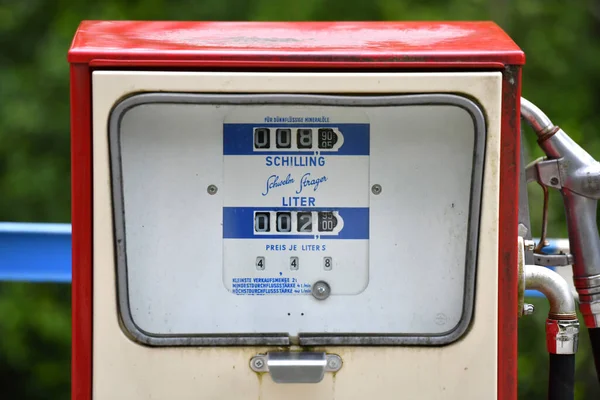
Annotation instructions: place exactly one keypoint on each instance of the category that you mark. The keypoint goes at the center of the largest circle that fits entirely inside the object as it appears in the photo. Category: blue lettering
(294, 161)
(274, 182)
(297, 201)
(307, 180)
(313, 247)
(275, 247)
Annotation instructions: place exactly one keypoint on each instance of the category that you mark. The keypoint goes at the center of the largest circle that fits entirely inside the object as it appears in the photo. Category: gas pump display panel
(308, 219)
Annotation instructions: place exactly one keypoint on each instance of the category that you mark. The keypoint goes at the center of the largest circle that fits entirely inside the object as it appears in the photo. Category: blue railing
(35, 252)
(32, 252)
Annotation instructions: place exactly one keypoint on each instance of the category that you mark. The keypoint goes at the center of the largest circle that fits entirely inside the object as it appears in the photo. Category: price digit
(294, 264)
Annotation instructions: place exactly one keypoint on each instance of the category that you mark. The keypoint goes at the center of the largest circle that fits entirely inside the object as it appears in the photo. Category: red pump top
(294, 44)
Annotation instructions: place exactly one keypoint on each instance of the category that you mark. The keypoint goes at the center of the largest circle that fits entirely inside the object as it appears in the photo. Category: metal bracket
(296, 367)
(553, 260)
(546, 172)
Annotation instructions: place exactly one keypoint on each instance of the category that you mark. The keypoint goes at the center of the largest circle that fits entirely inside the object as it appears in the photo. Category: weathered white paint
(123, 369)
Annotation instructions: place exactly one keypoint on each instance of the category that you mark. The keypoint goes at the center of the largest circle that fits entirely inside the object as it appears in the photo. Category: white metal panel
(123, 369)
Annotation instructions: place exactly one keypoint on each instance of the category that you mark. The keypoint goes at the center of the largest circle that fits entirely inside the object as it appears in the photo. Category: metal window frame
(305, 339)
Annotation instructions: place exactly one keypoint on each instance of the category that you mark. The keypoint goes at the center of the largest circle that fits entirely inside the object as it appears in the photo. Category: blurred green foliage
(562, 76)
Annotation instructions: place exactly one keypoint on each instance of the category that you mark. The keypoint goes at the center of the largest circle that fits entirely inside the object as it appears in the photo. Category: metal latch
(296, 367)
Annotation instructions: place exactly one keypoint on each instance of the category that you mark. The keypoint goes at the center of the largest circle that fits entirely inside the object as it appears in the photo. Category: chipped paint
(309, 43)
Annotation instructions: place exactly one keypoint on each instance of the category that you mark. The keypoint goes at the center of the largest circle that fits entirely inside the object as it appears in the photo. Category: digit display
(304, 138)
(284, 222)
(262, 222)
(327, 221)
(304, 222)
(327, 138)
(288, 139)
(297, 222)
(283, 138)
(262, 138)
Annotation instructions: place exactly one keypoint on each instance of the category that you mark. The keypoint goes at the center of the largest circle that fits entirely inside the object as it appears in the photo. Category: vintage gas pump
(312, 210)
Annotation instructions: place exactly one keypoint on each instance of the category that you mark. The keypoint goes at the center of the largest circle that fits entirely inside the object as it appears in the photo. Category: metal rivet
(376, 189)
(211, 189)
(321, 290)
(554, 181)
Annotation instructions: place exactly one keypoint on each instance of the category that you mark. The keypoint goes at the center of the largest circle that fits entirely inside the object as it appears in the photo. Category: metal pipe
(562, 330)
(535, 117)
(562, 326)
(555, 288)
(578, 177)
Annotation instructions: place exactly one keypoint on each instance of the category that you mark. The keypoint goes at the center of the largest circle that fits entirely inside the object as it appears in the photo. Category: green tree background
(562, 76)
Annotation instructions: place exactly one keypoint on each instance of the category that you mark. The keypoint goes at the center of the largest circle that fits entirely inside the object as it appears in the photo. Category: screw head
(212, 189)
(321, 290)
(376, 189)
(528, 309)
(554, 180)
(333, 363)
(258, 363)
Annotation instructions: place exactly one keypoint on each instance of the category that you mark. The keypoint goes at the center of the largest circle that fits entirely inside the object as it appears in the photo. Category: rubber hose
(595, 341)
(561, 385)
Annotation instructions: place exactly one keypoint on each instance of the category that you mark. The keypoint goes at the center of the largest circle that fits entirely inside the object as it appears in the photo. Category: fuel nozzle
(569, 168)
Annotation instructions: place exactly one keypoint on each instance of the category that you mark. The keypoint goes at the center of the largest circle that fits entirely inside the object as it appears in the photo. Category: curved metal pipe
(579, 176)
(555, 288)
(562, 325)
(538, 121)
